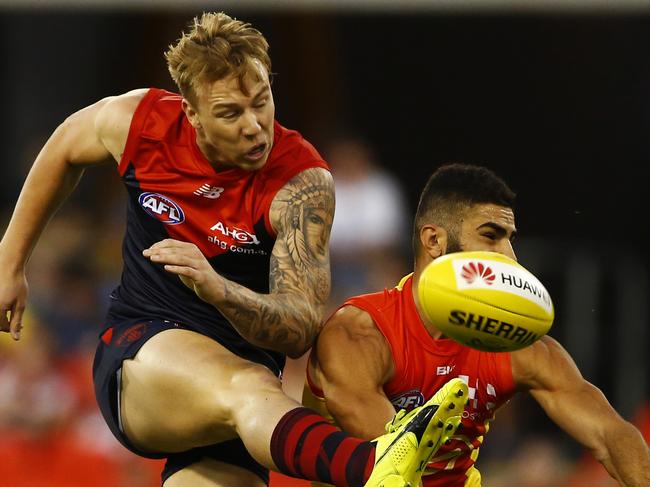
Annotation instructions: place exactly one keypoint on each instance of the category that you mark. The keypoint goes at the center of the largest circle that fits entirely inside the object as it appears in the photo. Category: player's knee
(255, 378)
(250, 384)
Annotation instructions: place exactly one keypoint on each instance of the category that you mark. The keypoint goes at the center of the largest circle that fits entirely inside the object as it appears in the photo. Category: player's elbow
(297, 351)
(295, 331)
(289, 341)
(296, 355)
(294, 350)
(298, 348)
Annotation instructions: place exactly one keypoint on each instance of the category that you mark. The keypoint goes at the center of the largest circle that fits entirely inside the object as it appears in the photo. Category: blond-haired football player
(226, 272)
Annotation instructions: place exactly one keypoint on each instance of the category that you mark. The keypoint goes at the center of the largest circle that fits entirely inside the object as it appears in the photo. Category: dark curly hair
(452, 189)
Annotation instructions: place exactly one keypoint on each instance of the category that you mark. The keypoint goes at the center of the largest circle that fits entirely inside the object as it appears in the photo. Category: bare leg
(183, 390)
(211, 473)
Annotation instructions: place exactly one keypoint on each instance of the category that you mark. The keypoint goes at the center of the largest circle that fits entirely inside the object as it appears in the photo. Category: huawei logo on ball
(477, 270)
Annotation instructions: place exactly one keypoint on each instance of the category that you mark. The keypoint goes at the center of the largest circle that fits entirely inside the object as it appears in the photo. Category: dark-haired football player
(378, 353)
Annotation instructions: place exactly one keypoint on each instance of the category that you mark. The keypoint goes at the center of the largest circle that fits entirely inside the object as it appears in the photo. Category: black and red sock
(306, 445)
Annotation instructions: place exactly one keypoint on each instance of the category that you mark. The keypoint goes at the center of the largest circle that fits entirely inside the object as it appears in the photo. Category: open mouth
(256, 152)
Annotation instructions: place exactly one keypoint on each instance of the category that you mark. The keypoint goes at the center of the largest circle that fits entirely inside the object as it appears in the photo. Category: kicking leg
(183, 390)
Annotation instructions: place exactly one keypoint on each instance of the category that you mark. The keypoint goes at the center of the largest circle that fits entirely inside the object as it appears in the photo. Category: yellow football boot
(412, 438)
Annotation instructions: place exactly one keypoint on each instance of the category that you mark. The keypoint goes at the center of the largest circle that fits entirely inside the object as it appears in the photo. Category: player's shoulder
(350, 323)
(113, 108)
(291, 147)
(288, 139)
(294, 164)
(112, 118)
(317, 179)
(311, 187)
(350, 339)
(114, 113)
(110, 109)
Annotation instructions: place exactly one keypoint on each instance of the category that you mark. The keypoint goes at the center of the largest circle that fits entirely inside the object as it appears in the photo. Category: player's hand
(13, 298)
(186, 261)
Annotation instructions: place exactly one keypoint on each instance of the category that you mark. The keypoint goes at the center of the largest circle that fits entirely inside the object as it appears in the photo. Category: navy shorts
(121, 342)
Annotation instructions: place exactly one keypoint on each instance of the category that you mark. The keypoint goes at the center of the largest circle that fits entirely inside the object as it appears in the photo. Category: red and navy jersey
(174, 192)
(423, 365)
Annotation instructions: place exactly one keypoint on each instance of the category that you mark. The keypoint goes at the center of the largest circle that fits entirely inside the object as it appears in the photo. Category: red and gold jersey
(423, 365)
(174, 192)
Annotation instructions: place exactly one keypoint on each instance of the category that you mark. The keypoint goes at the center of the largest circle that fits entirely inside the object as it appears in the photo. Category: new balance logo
(212, 192)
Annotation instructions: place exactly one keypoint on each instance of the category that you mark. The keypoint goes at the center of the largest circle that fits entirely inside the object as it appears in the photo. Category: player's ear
(433, 239)
(191, 114)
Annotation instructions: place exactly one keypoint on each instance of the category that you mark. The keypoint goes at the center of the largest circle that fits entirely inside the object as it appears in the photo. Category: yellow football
(485, 300)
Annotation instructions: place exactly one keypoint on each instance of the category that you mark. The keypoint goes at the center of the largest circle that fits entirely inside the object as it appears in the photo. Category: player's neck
(431, 329)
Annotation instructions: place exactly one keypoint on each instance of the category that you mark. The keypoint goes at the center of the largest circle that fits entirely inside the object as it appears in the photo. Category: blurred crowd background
(556, 102)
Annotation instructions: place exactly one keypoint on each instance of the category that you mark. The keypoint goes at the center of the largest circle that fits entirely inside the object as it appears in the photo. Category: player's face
(316, 223)
(234, 129)
(486, 227)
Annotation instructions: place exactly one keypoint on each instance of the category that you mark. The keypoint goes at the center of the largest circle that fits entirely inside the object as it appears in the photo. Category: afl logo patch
(408, 400)
(162, 208)
(131, 334)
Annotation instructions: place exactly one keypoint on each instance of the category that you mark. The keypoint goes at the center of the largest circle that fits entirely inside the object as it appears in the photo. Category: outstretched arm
(289, 317)
(86, 138)
(548, 372)
(350, 363)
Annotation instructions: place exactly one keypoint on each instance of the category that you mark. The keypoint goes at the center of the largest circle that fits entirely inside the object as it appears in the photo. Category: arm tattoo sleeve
(289, 318)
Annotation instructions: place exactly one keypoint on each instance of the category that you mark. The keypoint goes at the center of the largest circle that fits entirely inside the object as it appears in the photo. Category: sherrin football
(485, 300)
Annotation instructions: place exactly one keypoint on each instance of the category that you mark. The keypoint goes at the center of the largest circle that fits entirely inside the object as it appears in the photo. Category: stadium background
(553, 97)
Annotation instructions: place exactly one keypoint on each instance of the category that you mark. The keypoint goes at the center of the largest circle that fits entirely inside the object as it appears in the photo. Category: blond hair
(215, 47)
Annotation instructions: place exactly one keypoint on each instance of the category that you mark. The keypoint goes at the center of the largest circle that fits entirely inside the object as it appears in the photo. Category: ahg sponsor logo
(162, 208)
(240, 236)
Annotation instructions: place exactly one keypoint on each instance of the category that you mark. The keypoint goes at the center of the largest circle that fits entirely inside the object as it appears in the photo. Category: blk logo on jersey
(162, 208)
(445, 369)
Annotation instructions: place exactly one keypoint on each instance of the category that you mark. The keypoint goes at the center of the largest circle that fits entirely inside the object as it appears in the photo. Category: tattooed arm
(287, 319)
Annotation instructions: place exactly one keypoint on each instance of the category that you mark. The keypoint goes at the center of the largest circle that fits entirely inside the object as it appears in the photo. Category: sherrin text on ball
(485, 300)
